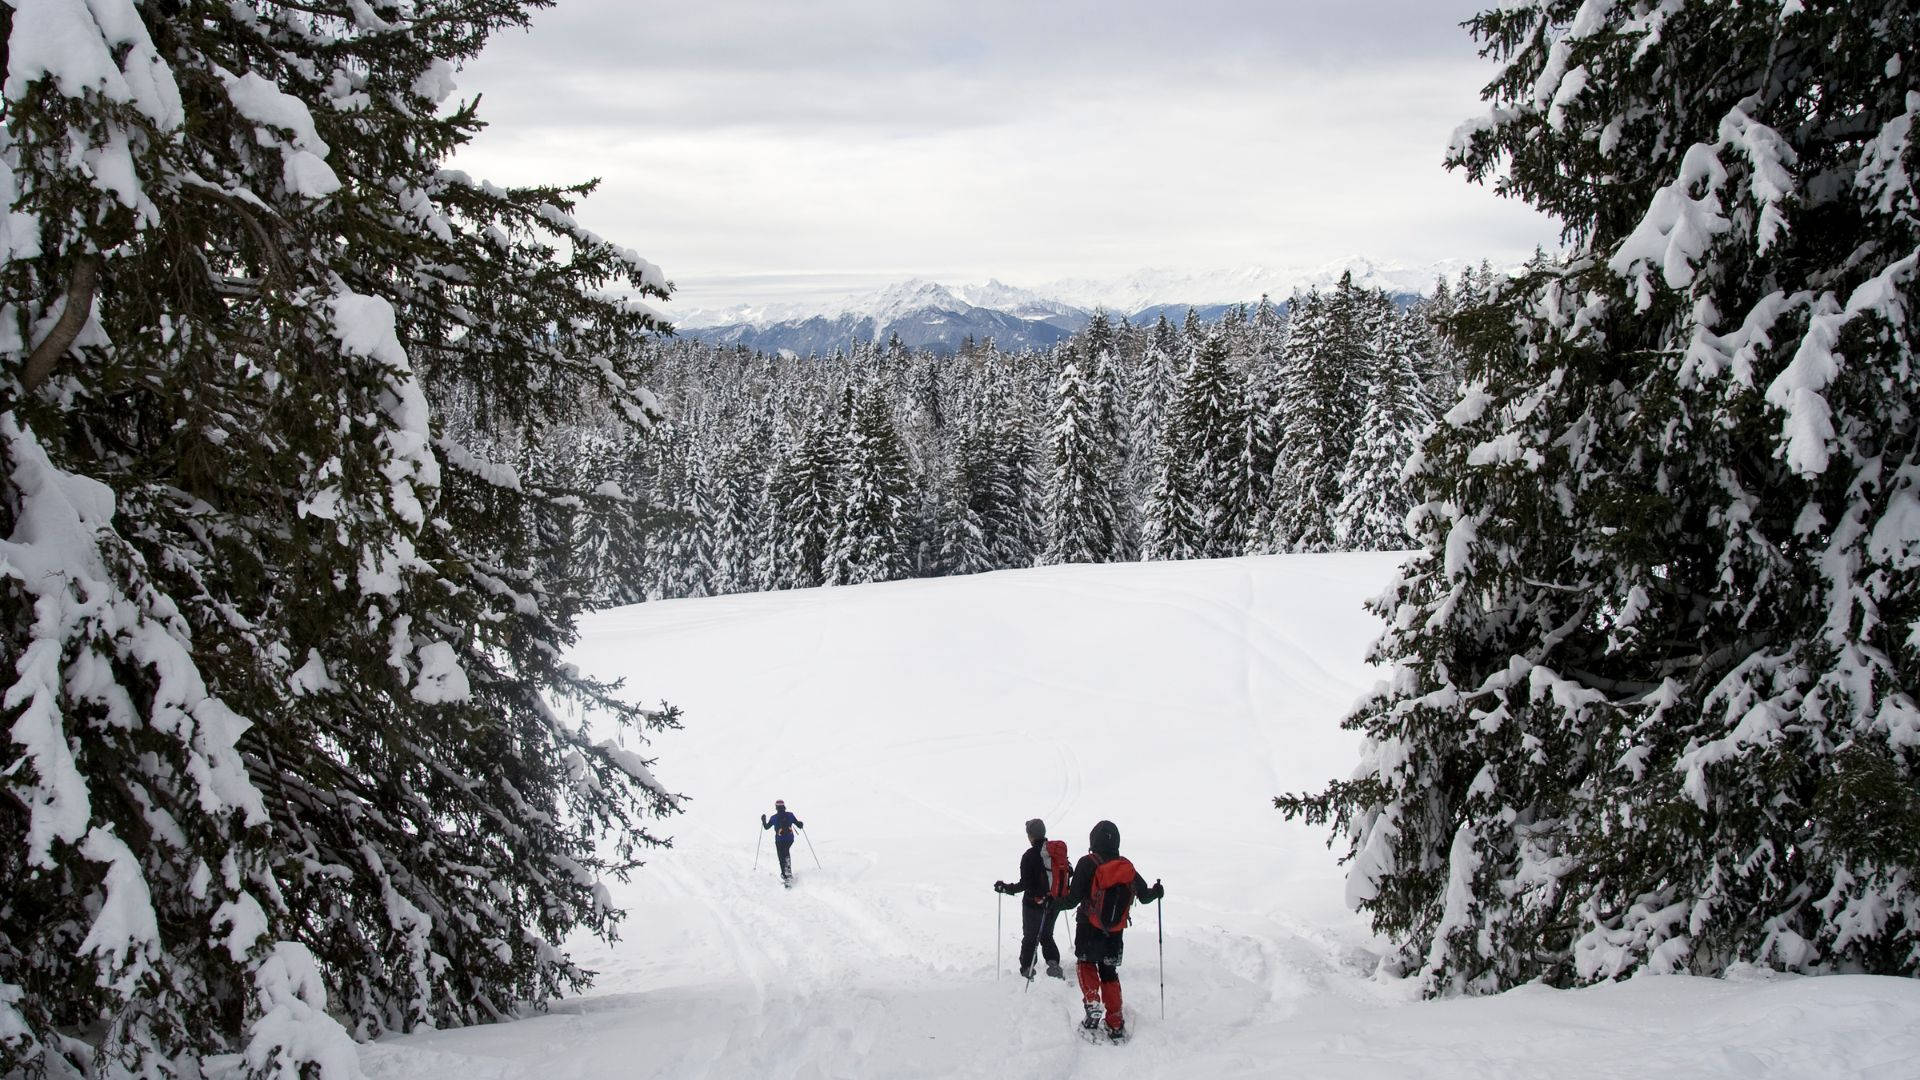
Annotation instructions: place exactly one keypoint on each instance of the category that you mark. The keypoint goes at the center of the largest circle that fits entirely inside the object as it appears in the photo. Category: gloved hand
(1003, 887)
(1159, 890)
(763, 821)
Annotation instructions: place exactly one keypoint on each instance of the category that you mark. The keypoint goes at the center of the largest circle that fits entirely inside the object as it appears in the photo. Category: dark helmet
(779, 804)
(1036, 830)
(1104, 839)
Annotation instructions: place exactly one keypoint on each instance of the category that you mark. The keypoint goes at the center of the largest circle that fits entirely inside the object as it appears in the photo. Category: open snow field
(914, 726)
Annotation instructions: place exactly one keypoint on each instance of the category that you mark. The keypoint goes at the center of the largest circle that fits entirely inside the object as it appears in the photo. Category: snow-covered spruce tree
(930, 392)
(1102, 375)
(804, 493)
(1375, 495)
(984, 520)
(740, 508)
(1199, 504)
(1653, 704)
(968, 485)
(1111, 419)
(1080, 498)
(1267, 329)
(925, 445)
(1321, 381)
(281, 763)
(1445, 362)
(1149, 388)
(682, 544)
(1250, 481)
(1265, 338)
(1016, 530)
(870, 527)
(585, 550)
(1175, 520)
(780, 450)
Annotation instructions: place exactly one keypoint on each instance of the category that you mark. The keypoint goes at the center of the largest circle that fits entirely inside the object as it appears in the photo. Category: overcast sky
(776, 149)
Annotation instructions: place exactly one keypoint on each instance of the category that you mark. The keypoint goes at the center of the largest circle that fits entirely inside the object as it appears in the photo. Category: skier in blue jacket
(782, 823)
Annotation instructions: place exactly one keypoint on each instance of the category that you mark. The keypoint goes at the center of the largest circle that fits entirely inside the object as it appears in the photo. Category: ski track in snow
(914, 726)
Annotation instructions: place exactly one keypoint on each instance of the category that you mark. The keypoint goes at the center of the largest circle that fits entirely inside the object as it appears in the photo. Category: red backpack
(1110, 899)
(1054, 857)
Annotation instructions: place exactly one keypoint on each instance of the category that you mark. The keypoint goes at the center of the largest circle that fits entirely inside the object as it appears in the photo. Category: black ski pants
(1099, 948)
(783, 847)
(1036, 929)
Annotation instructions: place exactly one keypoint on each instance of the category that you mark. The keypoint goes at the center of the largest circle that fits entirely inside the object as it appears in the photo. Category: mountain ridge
(1124, 295)
(924, 313)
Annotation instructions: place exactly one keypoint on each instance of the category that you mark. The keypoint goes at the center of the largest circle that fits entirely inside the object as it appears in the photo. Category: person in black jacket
(1037, 915)
(1098, 950)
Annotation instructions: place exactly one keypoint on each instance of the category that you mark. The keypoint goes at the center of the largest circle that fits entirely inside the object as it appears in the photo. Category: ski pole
(810, 851)
(756, 847)
(1160, 912)
(999, 931)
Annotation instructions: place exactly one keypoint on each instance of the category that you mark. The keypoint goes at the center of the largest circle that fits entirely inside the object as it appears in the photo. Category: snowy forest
(1278, 428)
(318, 457)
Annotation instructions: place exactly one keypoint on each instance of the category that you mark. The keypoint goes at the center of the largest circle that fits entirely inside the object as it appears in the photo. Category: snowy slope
(915, 725)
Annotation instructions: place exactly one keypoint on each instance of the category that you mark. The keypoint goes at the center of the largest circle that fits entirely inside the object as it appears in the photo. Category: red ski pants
(1101, 983)
(1099, 954)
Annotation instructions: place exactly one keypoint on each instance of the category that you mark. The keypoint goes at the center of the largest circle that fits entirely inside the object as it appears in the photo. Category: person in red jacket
(1035, 889)
(1105, 885)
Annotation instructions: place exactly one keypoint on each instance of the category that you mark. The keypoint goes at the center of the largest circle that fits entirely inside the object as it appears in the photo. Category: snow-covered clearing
(915, 725)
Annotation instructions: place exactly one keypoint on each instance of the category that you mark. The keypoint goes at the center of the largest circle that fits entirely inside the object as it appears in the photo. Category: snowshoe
(1027, 973)
(1054, 971)
(1095, 1033)
(1118, 1035)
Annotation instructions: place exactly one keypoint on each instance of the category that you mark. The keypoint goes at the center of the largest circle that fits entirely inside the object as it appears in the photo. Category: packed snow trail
(915, 726)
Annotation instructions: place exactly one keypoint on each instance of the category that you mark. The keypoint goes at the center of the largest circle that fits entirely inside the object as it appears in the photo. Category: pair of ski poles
(762, 838)
(1160, 917)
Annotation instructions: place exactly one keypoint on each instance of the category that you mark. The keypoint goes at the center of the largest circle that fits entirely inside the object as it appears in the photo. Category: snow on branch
(72, 42)
(1678, 227)
(294, 1030)
(1800, 389)
(633, 765)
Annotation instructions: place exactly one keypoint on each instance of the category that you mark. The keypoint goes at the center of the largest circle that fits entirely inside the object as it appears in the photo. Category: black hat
(1036, 829)
(1104, 839)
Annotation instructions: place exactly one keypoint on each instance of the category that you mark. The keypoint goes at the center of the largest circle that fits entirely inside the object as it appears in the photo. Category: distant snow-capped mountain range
(1122, 295)
(930, 314)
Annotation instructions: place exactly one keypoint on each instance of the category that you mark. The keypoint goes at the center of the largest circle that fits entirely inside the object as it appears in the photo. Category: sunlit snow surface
(915, 726)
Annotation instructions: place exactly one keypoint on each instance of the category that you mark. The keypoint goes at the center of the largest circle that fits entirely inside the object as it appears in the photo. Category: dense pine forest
(1279, 427)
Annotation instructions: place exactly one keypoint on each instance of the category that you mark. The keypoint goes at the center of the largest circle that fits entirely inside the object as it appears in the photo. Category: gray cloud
(875, 62)
(876, 36)
(849, 139)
